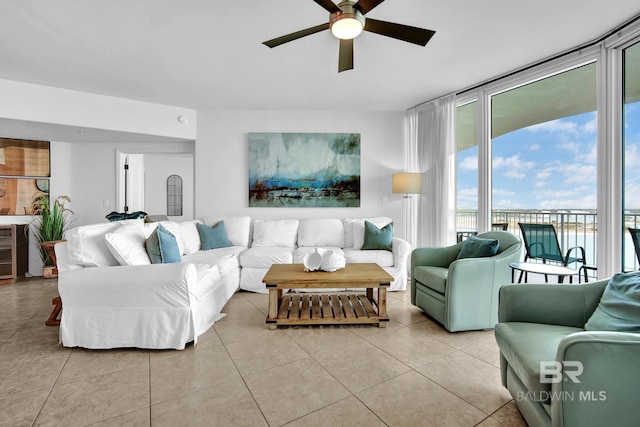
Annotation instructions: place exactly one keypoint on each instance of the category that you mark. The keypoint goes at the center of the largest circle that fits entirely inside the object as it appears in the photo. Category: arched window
(174, 196)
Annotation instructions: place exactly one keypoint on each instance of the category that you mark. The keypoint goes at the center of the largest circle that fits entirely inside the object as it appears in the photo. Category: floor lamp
(407, 183)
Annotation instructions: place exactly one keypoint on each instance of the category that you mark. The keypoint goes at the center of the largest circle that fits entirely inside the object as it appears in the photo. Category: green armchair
(588, 378)
(462, 294)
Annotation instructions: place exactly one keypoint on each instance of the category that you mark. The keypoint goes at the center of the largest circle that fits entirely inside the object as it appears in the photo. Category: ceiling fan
(347, 21)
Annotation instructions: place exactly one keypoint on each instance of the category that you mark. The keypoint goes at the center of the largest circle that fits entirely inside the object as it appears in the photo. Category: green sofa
(462, 294)
(545, 323)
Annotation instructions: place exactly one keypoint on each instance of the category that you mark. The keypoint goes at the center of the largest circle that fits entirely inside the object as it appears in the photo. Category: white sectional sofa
(289, 240)
(114, 297)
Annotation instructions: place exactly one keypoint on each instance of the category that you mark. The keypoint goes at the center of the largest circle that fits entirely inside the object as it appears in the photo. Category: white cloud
(568, 127)
(591, 126)
(555, 126)
(632, 156)
(555, 194)
(501, 192)
(534, 147)
(545, 173)
(586, 201)
(469, 163)
(579, 174)
(570, 146)
(506, 204)
(631, 195)
(467, 198)
(515, 167)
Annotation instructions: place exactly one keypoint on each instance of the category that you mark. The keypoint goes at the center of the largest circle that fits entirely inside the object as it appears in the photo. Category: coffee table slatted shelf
(327, 308)
(339, 309)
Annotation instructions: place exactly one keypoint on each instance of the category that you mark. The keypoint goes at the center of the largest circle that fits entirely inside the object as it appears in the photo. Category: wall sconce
(407, 183)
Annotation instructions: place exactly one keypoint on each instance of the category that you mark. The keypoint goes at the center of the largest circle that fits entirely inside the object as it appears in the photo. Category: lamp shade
(407, 183)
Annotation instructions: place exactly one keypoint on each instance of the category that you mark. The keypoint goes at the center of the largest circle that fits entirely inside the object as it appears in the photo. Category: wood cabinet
(14, 252)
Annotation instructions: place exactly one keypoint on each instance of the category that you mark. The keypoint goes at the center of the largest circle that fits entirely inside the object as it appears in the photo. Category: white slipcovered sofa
(287, 241)
(114, 297)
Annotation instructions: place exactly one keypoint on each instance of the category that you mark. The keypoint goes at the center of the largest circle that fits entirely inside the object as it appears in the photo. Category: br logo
(551, 371)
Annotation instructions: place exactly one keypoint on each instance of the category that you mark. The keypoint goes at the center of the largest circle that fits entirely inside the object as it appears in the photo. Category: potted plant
(50, 228)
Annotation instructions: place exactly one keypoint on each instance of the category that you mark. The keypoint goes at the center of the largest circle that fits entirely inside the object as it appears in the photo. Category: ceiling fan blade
(329, 6)
(365, 6)
(406, 33)
(294, 36)
(345, 57)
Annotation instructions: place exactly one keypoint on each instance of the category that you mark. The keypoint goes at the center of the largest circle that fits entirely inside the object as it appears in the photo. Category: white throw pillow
(358, 229)
(126, 244)
(348, 232)
(190, 237)
(86, 244)
(269, 232)
(321, 232)
(238, 228)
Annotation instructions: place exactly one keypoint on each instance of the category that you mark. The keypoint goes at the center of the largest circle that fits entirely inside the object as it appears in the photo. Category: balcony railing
(574, 228)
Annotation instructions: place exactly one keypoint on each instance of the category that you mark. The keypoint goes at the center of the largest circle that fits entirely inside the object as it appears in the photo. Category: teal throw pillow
(619, 307)
(162, 246)
(477, 247)
(213, 237)
(377, 238)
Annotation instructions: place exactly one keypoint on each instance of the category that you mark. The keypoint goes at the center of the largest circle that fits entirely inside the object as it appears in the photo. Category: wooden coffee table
(325, 308)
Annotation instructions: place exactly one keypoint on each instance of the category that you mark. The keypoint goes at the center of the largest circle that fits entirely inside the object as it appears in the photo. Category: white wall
(43, 104)
(93, 166)
(158, 167)
(222, 160)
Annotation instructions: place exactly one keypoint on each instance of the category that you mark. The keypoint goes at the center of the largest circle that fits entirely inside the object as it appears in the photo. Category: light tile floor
(412, 373)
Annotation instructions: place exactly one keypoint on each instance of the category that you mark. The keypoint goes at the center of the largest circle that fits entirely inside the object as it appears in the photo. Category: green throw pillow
(213, 237)
(377, 238)
(477, 247)
(619, 307)
(162, 246)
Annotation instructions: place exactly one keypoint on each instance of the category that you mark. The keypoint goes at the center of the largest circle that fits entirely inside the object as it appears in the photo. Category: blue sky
(550, 165)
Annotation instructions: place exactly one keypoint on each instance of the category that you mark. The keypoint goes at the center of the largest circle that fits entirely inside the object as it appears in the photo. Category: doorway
(141, 183)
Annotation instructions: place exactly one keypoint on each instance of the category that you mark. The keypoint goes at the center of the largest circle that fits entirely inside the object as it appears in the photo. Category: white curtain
(431, 150)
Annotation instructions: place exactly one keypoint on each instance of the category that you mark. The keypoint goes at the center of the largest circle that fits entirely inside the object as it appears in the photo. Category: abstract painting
(304, 170)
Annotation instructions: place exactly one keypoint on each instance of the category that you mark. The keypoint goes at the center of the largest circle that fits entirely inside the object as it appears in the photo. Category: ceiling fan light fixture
(348, 23)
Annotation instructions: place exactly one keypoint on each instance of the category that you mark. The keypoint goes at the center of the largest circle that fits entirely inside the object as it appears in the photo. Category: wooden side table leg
(53, 317)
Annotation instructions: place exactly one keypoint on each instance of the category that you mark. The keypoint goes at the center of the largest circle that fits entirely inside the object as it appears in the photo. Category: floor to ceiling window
(631, 143)
(467, 167)
(544, 156)
(559, 143)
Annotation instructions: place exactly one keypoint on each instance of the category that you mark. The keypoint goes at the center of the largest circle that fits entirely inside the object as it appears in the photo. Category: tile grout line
(149, 370)
(242, 378)
(51, 389)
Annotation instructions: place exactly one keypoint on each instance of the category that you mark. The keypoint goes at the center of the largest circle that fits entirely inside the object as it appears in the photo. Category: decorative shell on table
(323, 260)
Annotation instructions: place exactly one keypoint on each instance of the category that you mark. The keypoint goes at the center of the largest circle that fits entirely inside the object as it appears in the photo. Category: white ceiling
(206, 54)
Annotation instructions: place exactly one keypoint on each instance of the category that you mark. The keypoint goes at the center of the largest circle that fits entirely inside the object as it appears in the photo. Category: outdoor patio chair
(635, 232)
(500, 226)
(541, 242)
